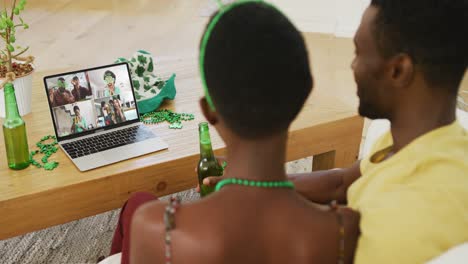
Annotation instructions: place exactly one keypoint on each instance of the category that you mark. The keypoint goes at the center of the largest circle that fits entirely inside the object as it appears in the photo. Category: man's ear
(211, 116)
(403, 70)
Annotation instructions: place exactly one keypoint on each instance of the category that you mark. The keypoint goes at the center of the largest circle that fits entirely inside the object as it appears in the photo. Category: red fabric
(121, 240)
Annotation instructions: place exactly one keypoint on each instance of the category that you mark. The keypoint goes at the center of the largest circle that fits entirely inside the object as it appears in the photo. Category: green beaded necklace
(47, 150)
(261, 184)
(165, 115)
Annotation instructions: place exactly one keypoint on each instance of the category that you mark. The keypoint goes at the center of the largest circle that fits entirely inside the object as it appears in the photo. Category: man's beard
(371, 111)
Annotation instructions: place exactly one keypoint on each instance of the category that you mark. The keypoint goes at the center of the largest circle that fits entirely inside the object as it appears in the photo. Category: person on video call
(79, 92)
(119, 114)
(112, 111)
(79, 122)
(111, 89)
(60, 96)
(106, 113)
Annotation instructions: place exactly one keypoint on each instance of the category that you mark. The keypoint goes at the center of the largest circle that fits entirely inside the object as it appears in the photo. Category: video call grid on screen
(91, 99)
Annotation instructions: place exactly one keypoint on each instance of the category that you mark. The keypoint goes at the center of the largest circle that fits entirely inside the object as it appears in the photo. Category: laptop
(96, 118)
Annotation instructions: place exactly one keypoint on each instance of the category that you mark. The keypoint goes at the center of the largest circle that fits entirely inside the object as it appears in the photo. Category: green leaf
(12, 39)
(136, 84)
(139, 71)
(142, 59)
(146, 79)
(19, 6)
(9, 22)
(26, 26)
(2, 25)
(147, 87)
(16, 11)
(150, 66)
(122, 60)
(144, 52)
(11, 48)
(153, 91)
(4, 14)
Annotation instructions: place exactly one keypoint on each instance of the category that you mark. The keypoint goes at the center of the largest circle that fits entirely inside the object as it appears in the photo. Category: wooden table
(77, 34)
(33, 198)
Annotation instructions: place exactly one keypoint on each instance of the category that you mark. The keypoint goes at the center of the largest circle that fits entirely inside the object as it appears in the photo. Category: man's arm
(51, 97)
(88, 91)
(68, 96)
(326, 186)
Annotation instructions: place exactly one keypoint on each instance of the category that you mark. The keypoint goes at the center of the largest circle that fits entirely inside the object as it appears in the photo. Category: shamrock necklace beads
(165, 115)
(47, 150)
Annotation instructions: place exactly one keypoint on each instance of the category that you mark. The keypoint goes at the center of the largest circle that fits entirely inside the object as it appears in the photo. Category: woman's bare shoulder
(147, 229)
(149, 215)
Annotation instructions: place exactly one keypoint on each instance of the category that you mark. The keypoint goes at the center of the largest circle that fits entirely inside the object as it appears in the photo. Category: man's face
(373, 89)
(61, 85)
(76, 82)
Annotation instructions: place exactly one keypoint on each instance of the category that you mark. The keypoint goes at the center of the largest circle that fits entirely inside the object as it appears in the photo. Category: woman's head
(109, 78)
(76, 109)
(116, 103)
(256, 70)
(111, 103)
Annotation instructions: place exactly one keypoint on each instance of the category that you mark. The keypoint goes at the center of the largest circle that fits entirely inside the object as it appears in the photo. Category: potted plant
(14, 66)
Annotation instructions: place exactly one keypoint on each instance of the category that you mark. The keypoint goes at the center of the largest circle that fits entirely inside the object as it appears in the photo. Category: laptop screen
(83, 101)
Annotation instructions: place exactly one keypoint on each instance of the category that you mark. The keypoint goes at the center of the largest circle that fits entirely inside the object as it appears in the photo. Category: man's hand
(325, 186)
(211, 181)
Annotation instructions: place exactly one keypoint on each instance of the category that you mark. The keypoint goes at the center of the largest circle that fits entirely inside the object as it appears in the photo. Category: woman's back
(256, 77)
(246, 225)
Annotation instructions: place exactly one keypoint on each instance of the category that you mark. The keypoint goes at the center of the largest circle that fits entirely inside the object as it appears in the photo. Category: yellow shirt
(414, 205)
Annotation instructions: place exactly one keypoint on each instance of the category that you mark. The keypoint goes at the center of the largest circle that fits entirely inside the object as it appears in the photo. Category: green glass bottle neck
(206, 150)
(11, 107)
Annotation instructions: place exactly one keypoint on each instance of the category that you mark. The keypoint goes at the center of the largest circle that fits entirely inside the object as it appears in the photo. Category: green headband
(223, 10)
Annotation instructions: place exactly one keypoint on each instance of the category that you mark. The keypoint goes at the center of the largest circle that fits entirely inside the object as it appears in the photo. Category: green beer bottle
(208, 165)
(14, 131)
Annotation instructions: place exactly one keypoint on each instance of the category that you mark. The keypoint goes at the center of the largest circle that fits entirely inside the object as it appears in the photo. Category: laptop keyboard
(114, 139)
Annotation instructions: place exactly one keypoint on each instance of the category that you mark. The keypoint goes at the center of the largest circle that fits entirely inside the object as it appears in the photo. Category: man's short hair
(257, 70)
(433, 33)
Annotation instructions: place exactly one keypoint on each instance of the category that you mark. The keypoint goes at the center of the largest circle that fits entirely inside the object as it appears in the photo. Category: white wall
(338, 17)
